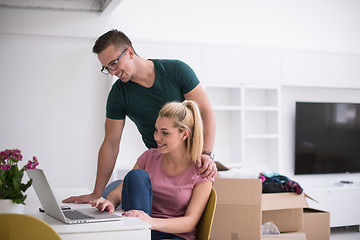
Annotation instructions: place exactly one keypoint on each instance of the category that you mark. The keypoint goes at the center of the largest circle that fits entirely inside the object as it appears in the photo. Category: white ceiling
(98, 6)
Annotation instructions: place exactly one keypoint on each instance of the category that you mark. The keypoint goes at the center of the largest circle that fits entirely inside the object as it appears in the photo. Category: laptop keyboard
(76, 215)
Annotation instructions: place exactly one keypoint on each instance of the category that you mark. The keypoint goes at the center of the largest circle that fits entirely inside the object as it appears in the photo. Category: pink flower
(32, 164)
(5, 166)
(9, 180)
(11, 157)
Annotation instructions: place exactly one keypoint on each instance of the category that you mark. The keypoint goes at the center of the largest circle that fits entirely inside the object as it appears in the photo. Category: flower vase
(7, 206)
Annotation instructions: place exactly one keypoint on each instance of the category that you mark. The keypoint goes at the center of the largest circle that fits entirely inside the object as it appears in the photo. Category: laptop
(52, 208)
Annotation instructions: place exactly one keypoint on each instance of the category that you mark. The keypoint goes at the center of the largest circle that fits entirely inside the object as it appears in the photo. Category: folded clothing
(275, 183)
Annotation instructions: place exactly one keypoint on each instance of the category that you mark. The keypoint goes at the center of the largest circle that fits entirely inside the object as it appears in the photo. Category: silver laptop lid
(52, 208)
(45, 194)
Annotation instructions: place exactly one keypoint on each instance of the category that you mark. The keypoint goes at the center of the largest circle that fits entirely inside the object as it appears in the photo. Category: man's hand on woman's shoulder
(207, 166)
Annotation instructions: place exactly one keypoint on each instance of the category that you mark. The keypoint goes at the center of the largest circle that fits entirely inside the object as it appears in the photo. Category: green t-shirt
(173, 79)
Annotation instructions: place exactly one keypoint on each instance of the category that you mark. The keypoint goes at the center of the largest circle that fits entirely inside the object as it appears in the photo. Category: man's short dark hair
(112, 37)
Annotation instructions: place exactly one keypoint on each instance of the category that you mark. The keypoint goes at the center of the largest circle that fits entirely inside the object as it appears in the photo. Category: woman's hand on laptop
(103, 205)
(87, 198)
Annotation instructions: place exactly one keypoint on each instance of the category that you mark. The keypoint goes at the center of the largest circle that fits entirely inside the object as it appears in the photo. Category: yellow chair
(21, 226)
(203, 228)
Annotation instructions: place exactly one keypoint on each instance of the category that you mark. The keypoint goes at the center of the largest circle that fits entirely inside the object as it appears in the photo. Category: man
(144, 86)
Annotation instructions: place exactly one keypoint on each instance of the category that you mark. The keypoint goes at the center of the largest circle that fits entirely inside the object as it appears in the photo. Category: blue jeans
(156, 235)
(137, 195)
(137, 191)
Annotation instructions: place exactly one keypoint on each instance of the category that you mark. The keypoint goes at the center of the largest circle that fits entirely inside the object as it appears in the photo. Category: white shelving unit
(248, 127)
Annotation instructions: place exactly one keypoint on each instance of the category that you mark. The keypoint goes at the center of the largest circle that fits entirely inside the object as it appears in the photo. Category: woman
(169, 194)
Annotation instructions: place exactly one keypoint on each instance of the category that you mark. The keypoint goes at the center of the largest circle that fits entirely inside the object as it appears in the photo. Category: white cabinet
(355, 72)
(247, 125)
(341, 200)
(315, 69)
(234, 65)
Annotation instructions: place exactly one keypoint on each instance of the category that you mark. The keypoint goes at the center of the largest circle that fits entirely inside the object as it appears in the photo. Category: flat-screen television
(327, 138)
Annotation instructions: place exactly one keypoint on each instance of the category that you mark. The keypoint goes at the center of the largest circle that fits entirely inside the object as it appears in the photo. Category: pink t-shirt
(171, 194)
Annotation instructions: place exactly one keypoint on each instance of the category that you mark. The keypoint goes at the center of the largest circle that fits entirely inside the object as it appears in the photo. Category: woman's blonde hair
(186, 115)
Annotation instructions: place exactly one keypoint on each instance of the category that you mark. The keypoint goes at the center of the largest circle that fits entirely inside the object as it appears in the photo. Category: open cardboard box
(242, 208)
(285, 210)
(238, 209)
(316, 224)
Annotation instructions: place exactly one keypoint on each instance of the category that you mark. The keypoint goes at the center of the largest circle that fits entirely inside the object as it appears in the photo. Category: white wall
(52, 95)
(320, 25)
(52, 105)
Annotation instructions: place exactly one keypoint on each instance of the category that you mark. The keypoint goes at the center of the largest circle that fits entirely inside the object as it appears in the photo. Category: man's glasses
(113, 64)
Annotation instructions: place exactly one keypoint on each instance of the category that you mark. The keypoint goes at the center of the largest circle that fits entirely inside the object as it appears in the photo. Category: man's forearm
(106, 162)
(209, 130)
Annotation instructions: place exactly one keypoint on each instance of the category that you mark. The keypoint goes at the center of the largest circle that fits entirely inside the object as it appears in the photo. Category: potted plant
(12, 190)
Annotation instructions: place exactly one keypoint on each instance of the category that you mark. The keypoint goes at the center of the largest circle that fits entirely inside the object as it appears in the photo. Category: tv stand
(340, 199)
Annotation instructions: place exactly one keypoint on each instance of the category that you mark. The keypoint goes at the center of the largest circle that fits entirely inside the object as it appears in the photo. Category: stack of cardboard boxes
(242, 208)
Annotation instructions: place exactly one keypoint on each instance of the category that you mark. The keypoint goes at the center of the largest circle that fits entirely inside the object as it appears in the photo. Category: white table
(127, 228)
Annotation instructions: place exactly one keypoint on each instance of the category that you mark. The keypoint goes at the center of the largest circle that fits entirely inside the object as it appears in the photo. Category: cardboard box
(316, 224)
(285, 210)
(286, 236)
(238, 209)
